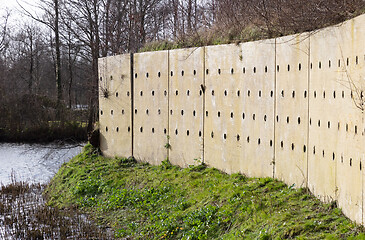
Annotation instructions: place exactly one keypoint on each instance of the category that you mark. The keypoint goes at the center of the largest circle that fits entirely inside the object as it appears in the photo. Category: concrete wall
(289, 108)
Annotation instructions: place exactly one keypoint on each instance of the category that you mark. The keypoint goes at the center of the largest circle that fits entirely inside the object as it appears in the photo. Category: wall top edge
(304, 35)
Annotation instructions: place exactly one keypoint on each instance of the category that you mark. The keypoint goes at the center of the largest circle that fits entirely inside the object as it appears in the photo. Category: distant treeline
(49, 64)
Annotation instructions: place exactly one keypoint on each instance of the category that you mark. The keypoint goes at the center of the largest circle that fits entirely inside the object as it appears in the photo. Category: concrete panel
(291, 127)
(239, 106)
(186, 106)
(350, 39)
(336, 122)
(258, 72)
(151, 106)
(115, 106)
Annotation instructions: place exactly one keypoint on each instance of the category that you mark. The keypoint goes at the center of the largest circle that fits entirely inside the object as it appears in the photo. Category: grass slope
(141, 201)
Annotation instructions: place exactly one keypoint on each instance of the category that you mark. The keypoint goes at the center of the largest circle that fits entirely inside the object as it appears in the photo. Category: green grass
(141, 201)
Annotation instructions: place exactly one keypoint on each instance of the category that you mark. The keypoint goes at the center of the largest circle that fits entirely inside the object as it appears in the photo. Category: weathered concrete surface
(115, 106)
(291, 123)
(186, 106)
(258, 87)
(150, 106)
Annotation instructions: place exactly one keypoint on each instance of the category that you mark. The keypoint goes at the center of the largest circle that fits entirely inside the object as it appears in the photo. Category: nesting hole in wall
(194, 113)
(111, 77)
(265, 118)
(165, 131)
(347, 127)
(260, 93)
(315, 94)
(153, 93)
(225, 93)
(339, 62)
(338, 126)
(334, 94)
(350, 162)
(288, 67)
(248, 139)
(287, 119)
(141, 93)
(177, 92)
(324, 94)
(333, 156)
(147, 111)
(206, 113)
(329, 124)
(219, 114)
(343, 94)
(244, 70)
(135, 111)
(298, 120)
(231, 114)
(176, 132)
(128, 94)
(212, 134)
(329, 64)
(101, 79)
(271, 93)
(293, 94)
(254, 70)
(159, 111)
(182, 112)
(248, 92)
(292, 146)
(304, 148)
(282, 144)
(194, 72)
(106, 129)
(282, 93)
(253, 116)
(207, 71)
(300, 66)
(319, 65)
(200, 133)
(116, 94)
(141, 129)
(147, 75)
(347, 61)
(310, 121)
(259, 141)
(322, 153)
(219, 71)
(360, 166)
(111, 112)
(212, 92)
(271, 143)
(355, 129)
(135, 75)
(352, 95)
(159, 74)
(311, 65)
(238, 137)
(232, 70)
(319, 123)
(243, 115)
(172, 73)
(129, 129)
(238, 93)
(357, 60)
(200, 92)
(277, 118)
(182, 73)
(153, 130)
(101, 112)
(188, 93)
(266, 69)
(225, 136)
(187, 132)
(171, 111)
(123, 112)
(278, 68)
(314, 150)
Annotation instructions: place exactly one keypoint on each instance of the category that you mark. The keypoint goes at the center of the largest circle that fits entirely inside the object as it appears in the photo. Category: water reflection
(34, 163)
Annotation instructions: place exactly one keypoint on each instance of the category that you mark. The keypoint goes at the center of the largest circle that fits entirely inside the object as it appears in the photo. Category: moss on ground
(141, 201)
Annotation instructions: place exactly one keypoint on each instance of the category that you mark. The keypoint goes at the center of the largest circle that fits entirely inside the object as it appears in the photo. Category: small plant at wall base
(167, 145)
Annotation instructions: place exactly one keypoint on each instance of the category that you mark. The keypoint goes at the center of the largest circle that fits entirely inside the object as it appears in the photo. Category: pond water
(34, 163)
